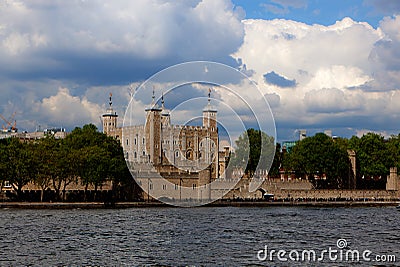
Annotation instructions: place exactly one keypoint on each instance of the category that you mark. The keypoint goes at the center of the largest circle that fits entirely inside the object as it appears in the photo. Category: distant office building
(328, 133)
(288, 146)
(302, 134)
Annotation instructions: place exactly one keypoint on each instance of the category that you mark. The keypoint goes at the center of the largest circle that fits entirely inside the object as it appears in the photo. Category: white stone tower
(165, 116)
(153, 132)
(110, 119)
(210, 115)
(210, 122)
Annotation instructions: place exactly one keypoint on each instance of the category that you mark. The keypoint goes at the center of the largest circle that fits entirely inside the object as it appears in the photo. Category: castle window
(135, 140)
(176, 187)
(144, 154)
(127, 142)
(151, 186)
(143, 140)
(194, 186)
(164, 187)
(135, 155)
(177, 154)
(127, 155)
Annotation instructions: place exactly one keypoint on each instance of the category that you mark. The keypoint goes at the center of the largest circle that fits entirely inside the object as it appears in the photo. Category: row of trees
(85, 156)
(325, 161)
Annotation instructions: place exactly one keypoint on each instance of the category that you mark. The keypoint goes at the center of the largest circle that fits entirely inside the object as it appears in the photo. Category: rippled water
(207, 236)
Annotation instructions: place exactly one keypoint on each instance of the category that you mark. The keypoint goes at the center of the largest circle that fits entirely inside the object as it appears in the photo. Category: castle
(164, 157)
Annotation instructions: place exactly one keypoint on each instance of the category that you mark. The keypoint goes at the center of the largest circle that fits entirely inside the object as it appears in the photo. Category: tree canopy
(375, 156)
(255, 148)
(324, 162)
(85, 156)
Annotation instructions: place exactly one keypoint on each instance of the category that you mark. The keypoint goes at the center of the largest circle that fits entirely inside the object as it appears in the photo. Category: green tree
(325, 163)
(393, 147)
(97, 158)
(21, 167)
(96, 166)
(277, 162)
(3, 162)
(374, 159)
(45, 156)
(256, 148)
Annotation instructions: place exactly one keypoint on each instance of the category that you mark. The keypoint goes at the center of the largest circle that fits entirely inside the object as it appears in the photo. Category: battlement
(186, 127)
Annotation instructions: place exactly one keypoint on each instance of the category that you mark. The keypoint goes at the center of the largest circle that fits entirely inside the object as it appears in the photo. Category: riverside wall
(303, 190)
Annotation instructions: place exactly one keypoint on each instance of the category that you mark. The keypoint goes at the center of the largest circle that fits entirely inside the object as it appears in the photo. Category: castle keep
(183, 155)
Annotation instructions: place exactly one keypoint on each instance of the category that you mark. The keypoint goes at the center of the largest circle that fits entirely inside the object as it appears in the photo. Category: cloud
(93, 40)
(273, 100)
(384, 6)
(282, 6)
(278, 80)
(332, 100)
(344, 75)
(66, 110)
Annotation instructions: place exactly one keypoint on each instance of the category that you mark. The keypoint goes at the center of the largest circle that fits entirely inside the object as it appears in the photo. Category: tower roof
(209, 107)
(110, 111)
(165, 112)
(153, 106)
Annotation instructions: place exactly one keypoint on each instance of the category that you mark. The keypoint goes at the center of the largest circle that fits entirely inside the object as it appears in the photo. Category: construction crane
(11, 126)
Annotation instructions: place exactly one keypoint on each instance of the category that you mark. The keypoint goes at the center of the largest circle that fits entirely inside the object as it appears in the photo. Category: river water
(205, 236)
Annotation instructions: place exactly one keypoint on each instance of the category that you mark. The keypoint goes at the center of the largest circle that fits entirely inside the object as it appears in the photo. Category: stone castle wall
(303, 190)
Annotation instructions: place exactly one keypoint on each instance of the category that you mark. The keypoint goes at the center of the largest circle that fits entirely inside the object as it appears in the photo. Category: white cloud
(332, 100)
(143, 29)
(338, 76)
(64, 109)
(345, 70)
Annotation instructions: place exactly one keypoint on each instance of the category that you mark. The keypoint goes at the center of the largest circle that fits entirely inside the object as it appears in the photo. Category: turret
(110, 119)
(210, 115)
(210, 122)
(165, 116)
(153, 132)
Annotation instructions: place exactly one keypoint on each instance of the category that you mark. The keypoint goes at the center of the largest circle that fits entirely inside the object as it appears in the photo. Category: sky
(321, 64)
